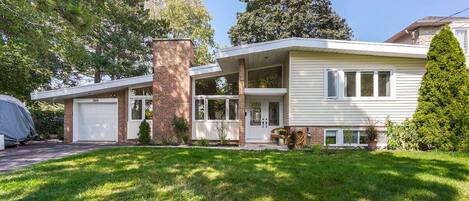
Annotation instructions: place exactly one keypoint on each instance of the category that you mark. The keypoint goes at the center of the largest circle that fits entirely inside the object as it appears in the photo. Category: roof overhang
(59, 95)
(204, 70)
(326, 45)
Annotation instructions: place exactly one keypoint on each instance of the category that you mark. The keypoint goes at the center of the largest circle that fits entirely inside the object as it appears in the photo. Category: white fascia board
(265, 91)
(64, 92)
(205, 69)
(353, 47)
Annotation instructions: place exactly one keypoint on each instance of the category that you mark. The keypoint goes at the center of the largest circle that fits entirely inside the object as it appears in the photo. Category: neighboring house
(422, 31)
(325, 87)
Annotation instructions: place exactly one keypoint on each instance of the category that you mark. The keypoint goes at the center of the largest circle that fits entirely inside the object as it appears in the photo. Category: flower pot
(372, 145)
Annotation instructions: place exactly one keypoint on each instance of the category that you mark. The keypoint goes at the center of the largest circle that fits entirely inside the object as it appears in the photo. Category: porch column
(242, 102)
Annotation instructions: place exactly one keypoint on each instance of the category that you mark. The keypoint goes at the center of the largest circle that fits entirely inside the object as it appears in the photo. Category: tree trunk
(97, 76)
(97, 72)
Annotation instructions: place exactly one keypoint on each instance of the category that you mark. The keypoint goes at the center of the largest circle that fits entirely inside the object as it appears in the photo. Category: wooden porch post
(242, 102)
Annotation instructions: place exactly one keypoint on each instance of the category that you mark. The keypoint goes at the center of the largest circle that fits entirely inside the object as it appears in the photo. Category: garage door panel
(97, 122)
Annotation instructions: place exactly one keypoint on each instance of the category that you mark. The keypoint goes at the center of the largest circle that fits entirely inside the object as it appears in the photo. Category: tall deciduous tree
(442, 115)
(187, 19)
(38, 41)
(276, 19)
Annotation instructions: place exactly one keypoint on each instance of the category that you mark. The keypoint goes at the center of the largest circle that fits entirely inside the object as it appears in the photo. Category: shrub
(222, 129)
(282, 131)
(144, 133)
(203, 142)
(48, 119)
(441, 117)
(402, 136)
(180, 128)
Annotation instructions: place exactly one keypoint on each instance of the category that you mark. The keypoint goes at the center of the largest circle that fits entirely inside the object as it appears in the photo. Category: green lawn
(138, 173)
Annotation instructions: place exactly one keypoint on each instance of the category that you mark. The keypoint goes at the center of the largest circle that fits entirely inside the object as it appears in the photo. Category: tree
(38, 43)
(277, 19)
(46, 44)
(187, 19)
(442, 113)
(120, 39)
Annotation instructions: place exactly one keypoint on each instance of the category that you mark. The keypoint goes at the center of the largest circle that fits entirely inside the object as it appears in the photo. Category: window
(144, 91)
(233, 109)
(366, 84)
(199, 109)
(141, 103)
(461, 35)
(274, 116)
(222, 85)
(350, 84)
(332, 83)
(331, 136)
(350, 137)
(363, 137)
(137, 110)
(265, 78)
(384, 83)
(216, 109)
(148, 109)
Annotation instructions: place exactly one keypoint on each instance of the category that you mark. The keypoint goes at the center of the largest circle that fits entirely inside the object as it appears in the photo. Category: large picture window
(141, 103)
(265, 78)
(221, 85)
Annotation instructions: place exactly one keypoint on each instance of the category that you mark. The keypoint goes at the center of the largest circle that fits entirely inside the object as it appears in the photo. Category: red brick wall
(171, 84)
(315, 134)
(122, 98)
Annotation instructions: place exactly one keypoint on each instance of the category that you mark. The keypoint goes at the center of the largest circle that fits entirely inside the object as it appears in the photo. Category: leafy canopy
(187, 19)
(442, 115)
(276, 19)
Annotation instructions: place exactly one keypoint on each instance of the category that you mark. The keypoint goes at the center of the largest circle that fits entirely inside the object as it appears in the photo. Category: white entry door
(263, 115)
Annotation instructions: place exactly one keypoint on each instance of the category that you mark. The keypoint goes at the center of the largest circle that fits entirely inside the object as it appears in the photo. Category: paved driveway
(16, 157)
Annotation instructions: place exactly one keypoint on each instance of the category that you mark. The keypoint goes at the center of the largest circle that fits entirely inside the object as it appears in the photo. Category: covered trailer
(16, 123)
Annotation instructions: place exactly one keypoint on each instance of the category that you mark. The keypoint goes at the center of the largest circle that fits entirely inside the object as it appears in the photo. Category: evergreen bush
(442, 115)
(144, 133)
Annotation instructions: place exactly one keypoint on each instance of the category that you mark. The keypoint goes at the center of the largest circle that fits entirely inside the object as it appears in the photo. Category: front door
(263, 115)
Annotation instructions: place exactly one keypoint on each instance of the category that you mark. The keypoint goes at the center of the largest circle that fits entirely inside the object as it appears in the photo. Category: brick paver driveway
(17, 157)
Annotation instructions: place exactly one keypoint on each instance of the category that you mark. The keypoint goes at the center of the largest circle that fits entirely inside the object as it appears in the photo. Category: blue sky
(371, 20)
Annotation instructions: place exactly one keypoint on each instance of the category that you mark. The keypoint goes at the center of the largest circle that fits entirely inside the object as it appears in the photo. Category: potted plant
(371, 135)
(282, 135)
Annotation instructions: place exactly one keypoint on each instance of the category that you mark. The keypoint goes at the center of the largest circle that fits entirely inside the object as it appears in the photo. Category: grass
(139, 173)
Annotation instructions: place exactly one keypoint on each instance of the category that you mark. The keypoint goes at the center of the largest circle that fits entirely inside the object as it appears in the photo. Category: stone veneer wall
(122, 101)
(171, 84)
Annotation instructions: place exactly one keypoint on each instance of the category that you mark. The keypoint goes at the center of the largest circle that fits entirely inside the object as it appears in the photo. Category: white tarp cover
(15, 120)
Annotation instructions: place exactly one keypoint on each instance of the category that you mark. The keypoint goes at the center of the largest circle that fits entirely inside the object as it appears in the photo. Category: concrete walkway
(16, 157)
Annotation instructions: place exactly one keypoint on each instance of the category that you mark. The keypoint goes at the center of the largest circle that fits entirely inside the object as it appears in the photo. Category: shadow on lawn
(200, 174)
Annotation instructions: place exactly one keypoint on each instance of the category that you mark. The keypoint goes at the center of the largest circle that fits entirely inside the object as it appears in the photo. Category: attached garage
(95, 120)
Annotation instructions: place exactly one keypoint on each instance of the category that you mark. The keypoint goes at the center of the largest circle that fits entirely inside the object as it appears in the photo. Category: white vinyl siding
(309, 106)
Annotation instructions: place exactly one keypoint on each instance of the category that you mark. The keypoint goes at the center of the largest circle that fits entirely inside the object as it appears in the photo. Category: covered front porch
(243, 97)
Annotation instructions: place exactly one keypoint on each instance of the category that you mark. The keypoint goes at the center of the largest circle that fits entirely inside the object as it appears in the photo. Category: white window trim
(341, 85)
(340, 137)
(136, 97)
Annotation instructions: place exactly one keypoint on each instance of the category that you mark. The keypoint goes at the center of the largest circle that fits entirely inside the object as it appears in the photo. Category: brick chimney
(172, 59)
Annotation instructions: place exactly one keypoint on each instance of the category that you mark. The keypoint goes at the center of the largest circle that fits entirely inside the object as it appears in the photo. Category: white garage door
(96, 121)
